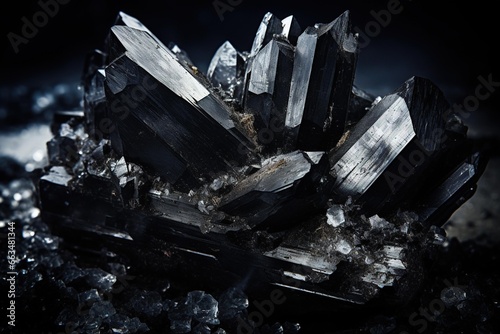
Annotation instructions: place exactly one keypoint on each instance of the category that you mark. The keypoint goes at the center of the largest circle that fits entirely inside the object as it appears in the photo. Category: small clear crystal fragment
(335, 215)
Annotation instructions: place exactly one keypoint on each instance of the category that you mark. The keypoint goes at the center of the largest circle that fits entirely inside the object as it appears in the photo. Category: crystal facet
(322, 78)
(137, 100)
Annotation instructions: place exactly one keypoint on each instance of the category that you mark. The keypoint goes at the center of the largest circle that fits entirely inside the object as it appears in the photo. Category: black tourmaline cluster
(270, 169)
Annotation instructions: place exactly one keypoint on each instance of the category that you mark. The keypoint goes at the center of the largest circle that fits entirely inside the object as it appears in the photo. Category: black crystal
(274, 166)
(322, 78)
(137, 95)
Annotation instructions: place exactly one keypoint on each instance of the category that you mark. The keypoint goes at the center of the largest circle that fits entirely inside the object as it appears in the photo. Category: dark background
(451, 43)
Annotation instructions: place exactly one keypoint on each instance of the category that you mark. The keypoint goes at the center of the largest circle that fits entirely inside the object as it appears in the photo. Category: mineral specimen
(273, 169)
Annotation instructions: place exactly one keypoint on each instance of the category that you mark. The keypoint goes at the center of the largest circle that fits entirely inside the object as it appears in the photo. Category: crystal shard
(269, 193)
(429, 114)
(401, 136)
(226, 71)
(123, 19)
(322, 78)
(359, 104)
(139, 98)
(268, 90)
(205, 307)
(100, 279)
(371, 146)
(291, 29)
(181, 55)
(335, 215)
(93, 86)
(441, 202)
(89, 297)
(428, 108)
(269, 26)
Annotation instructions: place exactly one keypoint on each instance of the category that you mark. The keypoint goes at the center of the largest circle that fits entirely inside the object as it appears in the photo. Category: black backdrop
(451, 43)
